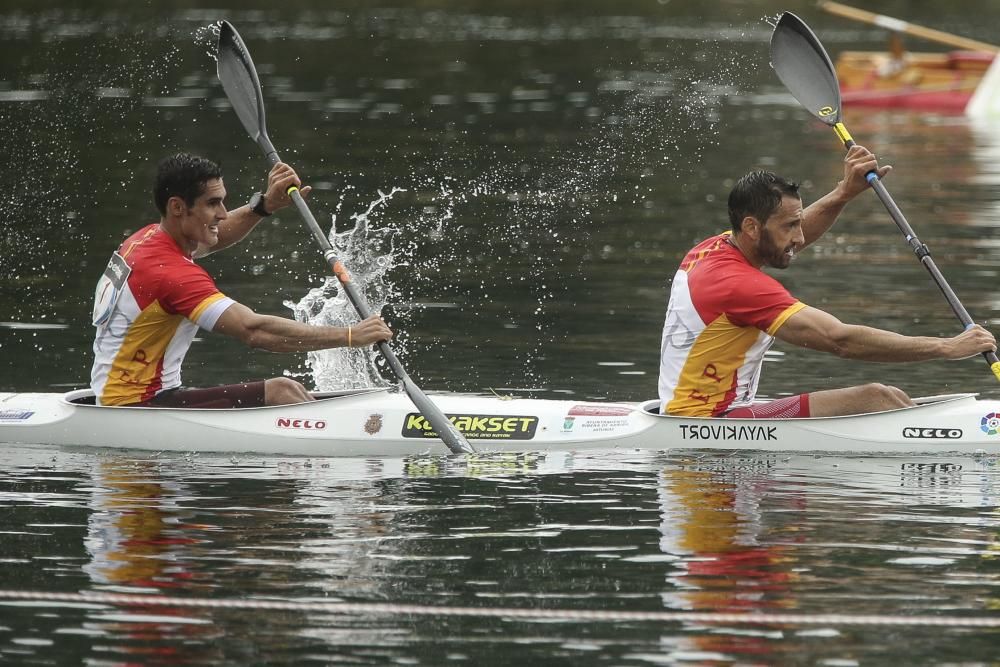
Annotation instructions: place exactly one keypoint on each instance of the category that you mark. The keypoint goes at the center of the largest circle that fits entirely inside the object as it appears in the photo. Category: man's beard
(770, 253)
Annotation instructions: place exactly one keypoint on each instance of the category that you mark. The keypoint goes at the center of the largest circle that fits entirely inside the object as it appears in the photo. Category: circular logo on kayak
(990, 424)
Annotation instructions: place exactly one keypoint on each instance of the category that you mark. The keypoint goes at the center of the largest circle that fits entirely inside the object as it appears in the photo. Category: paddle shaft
(447, 431)
(897, 25)
(920, 249)
(239, 79)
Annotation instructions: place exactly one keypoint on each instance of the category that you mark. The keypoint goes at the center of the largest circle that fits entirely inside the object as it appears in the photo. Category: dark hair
(182, 175)
(759, 195)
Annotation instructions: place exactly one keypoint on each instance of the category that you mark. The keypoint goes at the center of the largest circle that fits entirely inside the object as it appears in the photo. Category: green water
(558, 159)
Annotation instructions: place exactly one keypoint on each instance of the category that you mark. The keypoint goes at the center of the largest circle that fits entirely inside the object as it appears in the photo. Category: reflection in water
(603, 530)
(138, 537)
(347, 523)
(712, 520)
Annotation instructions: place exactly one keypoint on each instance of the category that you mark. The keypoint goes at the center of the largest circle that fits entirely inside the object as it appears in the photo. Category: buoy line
(568, 615)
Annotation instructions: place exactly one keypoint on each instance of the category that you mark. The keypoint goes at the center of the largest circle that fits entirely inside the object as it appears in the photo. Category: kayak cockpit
(652, 407)
(942, 398)
(85, 397)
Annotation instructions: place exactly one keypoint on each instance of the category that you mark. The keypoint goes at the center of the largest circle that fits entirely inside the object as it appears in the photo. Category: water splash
(74, 90)
(367, 251)
(539, 215)
(207, 37)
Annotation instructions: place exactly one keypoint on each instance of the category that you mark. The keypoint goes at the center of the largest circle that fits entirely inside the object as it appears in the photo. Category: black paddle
(239, 79)
(804, 67)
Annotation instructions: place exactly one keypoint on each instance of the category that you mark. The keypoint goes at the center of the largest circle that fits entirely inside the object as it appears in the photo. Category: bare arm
(819, 216)
(280, 334)
(818, 330)
(241, 221)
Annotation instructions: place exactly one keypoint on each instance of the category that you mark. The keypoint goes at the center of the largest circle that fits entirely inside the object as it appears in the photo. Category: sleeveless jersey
(149, 305)
(721, 319)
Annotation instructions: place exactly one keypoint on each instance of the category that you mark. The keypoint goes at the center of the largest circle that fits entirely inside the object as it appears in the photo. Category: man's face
(781, 237)
(200, 225)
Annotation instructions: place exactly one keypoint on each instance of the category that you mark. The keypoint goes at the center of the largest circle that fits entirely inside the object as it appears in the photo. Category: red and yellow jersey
(721, 319)
(148, 307)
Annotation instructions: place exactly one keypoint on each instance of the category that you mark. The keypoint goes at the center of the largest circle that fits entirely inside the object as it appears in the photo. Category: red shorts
(781, 408)
(245, 395)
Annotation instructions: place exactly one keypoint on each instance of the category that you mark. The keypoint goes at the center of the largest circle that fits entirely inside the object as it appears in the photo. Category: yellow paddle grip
(842, 132)
(995, 367)
(290, 190)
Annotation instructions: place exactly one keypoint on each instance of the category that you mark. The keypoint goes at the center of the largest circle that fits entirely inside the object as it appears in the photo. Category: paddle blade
(801, 63)
(239, 80)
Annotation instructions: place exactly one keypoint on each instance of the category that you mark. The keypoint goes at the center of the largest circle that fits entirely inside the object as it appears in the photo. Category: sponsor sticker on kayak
(302, 424)
(932, 433)
(990, 424)
(596, 418)
(484, 427)
(736, 432)
(15, 415)
(374, 424)
(600, 411)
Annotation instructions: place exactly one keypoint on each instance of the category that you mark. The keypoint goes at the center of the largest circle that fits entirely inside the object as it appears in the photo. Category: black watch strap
(257, 205)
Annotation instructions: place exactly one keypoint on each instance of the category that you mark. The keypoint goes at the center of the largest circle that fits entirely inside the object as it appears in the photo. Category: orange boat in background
(930, 81)
(897, 78)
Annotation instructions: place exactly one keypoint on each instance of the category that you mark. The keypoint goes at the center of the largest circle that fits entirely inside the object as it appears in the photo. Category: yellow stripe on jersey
(781, 319)
(718, 352)
(138, 359)
(201, 307)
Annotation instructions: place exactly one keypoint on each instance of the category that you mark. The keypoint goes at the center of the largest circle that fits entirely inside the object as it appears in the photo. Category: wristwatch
(256, 205)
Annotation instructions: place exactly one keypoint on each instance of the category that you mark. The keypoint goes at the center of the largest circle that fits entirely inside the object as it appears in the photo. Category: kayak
(383, 422)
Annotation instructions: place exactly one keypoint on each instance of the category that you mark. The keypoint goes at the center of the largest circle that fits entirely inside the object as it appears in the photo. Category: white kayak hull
(385, 423)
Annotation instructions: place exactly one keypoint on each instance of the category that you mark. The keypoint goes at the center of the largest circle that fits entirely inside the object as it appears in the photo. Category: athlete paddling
(153, 298)
(725, 312)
